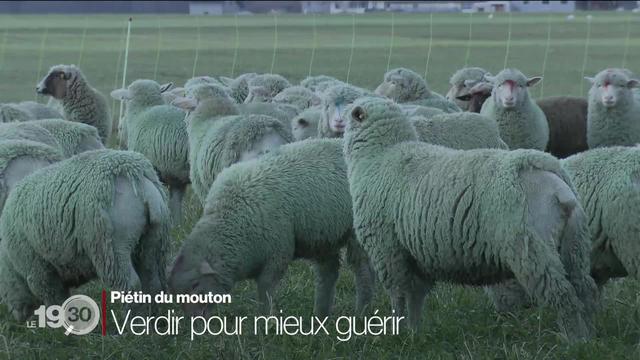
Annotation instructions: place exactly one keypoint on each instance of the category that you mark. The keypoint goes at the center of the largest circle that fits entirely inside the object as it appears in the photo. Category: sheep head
(335, 101)
(611, 87)
(511, 88)
(403, 85)
(56, 82)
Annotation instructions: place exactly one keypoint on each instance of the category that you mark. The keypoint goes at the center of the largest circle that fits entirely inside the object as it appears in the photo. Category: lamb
(606, 180)
(425, 213)
(158, 131)
(239, 86)
(320, 83)
(19, 158)
(462, 131)
(305, 125)
(296, 201)
(26, 110)
(613, 112)
(80, 102)
(298, 96)
(101, 214)
(218, 137)
(522, 123)
(263, 88)
(334, 100)
(72, 137)
(406, 86)
(462, 81)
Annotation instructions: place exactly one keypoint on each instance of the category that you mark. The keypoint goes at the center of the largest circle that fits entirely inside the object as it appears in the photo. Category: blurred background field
(459, 322)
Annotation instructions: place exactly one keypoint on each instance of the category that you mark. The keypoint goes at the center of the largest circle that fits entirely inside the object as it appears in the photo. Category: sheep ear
(489, 78)
(481, 87)
(165, 87)
(120, 94)
(205, 268)
(633, 83)
(534, 80)
(303, 122)
(358, 114)
(225, 80)
(590, 79)
(466, 97)
(185, 103)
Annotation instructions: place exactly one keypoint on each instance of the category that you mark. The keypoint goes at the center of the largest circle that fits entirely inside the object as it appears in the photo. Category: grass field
(458, 322)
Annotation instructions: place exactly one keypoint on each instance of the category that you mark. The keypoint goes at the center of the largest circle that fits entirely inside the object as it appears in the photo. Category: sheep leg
(508, 296)
(364, 275)
(543, 276)
(415, 300)
(14, 292)
(326, 271)
(176, 194)
(267, 282)
(44, 282)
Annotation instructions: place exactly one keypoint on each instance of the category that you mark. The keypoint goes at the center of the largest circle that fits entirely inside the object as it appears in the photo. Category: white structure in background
(544, 6)
(492, 6)
(212, 7)
(427, 6)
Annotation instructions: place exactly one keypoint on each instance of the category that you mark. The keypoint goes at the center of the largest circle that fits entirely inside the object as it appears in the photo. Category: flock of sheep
(536, 201)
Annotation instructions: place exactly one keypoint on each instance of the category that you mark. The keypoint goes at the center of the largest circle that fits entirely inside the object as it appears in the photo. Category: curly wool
(239, 86)
(14, 150)
(608, 182)
(469, 73)
(74, 241)
(296, 201)
(617, 125)
(425, 213)
(298, 96)
(83, 103)
(73, 138)
(522, 127)
(462, 131)
(263, 88)
(305, 125)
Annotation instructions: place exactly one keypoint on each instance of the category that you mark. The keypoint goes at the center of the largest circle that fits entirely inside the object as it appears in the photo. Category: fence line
(353, 43)
(195, 58)
(466, 59)
(275, 42)
(626, 42)
(236, 47)
(84, 35)
(391, 41)
(315, 44)
(159, 45)
(126, 62)
(45, 34)
(584, 59)
(506, 53)
(426, 67)
(546, 55)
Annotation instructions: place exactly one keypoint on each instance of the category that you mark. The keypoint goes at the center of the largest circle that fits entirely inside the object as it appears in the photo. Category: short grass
(458, 322)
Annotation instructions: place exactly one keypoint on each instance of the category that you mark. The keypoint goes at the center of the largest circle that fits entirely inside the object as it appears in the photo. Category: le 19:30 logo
(79, 315)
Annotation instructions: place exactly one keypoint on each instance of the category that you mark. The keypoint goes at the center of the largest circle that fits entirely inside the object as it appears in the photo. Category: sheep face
(403, 85)
(55, 82)
(475, 97)
(333, 112)
(374, 123)
(510, 88)
(194, 275)
(612, 87)
(392, 88)
(461, 83)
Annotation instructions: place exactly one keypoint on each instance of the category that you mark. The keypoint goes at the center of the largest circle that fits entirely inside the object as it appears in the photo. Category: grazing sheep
(100, 214)
(158, 131)
(305, 125)
(406, 86)
(462, 131)
(72, 137)
(219, 137)
(298, 96)
(296, 202)
(567, 120)
(425, 213)
(263, 88)
(614, 114)
(320, 83)
(462, 81)
(522, 124)
(80, 102)
(334, 101)
(239, 86)
(19, 158)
